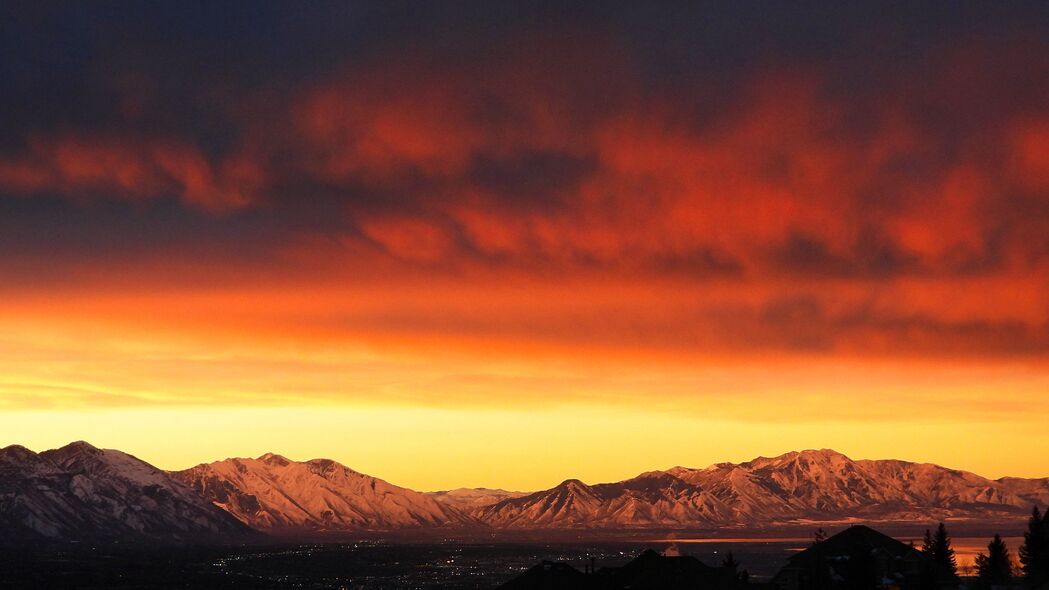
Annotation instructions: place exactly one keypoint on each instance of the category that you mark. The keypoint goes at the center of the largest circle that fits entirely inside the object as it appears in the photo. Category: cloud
(792, 176)
(799, 205)
(533, 224)
(132, 169)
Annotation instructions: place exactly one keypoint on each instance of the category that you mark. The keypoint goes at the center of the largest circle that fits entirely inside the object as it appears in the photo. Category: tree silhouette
(730, 563)
(732, 567)
(1034, 553)
(819, 536)
(995, 567)
(943, 554)
(927, 548)
(928, 572)
(819, 577)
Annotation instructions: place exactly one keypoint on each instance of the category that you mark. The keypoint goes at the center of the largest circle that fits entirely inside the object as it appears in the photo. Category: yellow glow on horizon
(432, 411)
(431, 449)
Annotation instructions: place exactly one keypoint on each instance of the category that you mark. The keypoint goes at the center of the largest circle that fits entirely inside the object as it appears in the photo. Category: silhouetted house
(858, 558)
(648, 571)
(652, 571)
(549, 575)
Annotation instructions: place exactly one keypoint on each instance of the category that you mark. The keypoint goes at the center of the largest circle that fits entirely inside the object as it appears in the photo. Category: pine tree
(928, 572)
(819, 536)
(995, 567)
(730, 563)
(1034, 553)
(943, 554)
(819, 574)
(732, 567)
(927, 544)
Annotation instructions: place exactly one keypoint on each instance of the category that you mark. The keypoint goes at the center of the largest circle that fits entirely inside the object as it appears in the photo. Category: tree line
(994, 568)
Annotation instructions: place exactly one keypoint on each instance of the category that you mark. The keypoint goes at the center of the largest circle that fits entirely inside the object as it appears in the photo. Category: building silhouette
(648, 571)
(858, 558)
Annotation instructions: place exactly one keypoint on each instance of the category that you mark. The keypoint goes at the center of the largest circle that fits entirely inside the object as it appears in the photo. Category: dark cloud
(801, 147)
(531, 178)
(870, 254)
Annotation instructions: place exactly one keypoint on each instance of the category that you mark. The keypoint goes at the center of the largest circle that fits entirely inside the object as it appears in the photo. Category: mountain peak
(826, 453)
(274, 459)
(79, 452)
(574, 487)
(810, 455)
(656, 474)
(327, 467)
(80, 446)
(17, 451)
(21, 459)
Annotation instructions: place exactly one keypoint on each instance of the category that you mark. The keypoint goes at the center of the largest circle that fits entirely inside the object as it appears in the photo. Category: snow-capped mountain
(80, 492)
(648, 499)
(824, 482)
(796, 486)
(272, 492)
(472, 498)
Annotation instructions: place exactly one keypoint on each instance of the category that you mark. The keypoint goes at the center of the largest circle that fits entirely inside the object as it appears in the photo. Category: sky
(484, 244)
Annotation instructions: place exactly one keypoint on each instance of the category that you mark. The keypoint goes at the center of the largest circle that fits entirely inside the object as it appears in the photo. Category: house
(549, 575)
(857, 558)
(648, 571)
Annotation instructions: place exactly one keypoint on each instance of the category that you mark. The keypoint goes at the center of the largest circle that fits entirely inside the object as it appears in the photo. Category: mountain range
(806, 486)
(81, 492)
(274, 493)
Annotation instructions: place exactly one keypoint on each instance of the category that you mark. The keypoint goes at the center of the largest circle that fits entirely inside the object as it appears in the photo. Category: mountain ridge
(84, 493)
(798, 486)
(278, 495)
(272, 492)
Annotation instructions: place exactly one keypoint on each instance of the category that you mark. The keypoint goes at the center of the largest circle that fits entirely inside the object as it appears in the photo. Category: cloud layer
(707, 183)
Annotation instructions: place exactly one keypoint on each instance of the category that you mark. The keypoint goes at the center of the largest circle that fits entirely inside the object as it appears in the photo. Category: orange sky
(183, 378)
(480, 256)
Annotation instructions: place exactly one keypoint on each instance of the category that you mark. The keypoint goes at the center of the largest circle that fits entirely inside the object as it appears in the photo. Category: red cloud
(1030, 148)
(864, 185)
(801, 207)
(131, 169)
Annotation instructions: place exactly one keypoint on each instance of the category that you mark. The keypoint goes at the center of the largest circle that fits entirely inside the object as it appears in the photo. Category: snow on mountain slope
(467, 499)
(810, 484)
(806, 485)
(272, 492)
(80, 492)
(651, 499)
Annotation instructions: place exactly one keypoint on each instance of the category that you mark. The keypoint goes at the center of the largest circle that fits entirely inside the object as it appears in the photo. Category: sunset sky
(488, 244)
